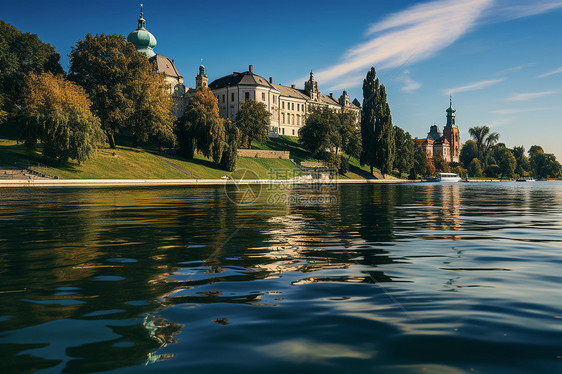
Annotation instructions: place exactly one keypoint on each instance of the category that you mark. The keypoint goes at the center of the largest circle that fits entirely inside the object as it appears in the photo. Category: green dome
(143, 40)
(450, 109)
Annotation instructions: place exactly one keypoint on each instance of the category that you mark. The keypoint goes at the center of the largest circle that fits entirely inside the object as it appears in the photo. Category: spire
(142, 22)
(311, 76)
(450, 101)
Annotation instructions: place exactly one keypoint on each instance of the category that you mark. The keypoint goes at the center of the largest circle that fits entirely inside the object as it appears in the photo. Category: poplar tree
(368, 119)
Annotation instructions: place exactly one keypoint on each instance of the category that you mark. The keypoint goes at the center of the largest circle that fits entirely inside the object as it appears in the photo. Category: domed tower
(451, 132)
(311, 87)
(143, 40)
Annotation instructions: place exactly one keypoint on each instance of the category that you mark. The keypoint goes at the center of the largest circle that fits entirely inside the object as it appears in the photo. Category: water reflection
(137, 276)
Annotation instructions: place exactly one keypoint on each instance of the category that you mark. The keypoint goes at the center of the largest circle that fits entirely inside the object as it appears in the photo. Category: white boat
(526, 179)
(445, 177)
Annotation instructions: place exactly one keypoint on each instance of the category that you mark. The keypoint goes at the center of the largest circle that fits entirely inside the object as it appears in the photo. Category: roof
(327, 99)
(245, 79)
(166, 66)
(291, 92)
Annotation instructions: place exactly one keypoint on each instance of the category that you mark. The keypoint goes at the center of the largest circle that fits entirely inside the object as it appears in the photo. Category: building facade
(447, 145)
(289, 106)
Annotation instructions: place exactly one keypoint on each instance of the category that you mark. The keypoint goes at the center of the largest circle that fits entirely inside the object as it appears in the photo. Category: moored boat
(526, 179)
(445, 177)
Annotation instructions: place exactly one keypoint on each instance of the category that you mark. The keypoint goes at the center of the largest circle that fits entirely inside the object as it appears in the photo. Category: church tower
(451, 132)
(311, 87)
(201, 80)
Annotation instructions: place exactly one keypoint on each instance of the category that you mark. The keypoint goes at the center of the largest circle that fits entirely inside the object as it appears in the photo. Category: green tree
(230, 153)
(320, 133)
(441, 165)
(474, 168)
(484, 139)
(469, 151)
(376, 126)
(57, 112)
(523, 165)
(423, 165)
(544, 165)
(349, 134)
(507, 164)
(253, 120)
(21, 54)
(111, 69)
(201, 128)
(404, 146)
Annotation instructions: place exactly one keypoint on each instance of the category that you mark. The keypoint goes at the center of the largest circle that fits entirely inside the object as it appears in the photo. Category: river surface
(457, 278)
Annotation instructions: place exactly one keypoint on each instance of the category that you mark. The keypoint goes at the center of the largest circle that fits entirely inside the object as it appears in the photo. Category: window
(298, 107)
(246, 96)
(293, 132)
(232, 96)
(263, 96)
(283, 105)
(293, 106)
(282, 117)
(283, 131)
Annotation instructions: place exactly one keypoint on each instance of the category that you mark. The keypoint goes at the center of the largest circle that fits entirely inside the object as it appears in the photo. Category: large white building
(289, 106)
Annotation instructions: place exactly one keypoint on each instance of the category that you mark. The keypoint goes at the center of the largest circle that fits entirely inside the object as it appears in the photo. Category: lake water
(372, 278)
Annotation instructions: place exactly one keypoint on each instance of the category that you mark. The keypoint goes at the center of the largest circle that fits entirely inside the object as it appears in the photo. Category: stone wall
(257, 153)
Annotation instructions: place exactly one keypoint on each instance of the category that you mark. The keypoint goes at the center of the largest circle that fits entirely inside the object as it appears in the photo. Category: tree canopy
(111, 69)
(21, 54)
(252, 120)
(321, 132)
(485, 140)
(57, 112)
(405, 148)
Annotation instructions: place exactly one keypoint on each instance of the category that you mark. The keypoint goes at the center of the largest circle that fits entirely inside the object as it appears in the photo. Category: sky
(501, 60)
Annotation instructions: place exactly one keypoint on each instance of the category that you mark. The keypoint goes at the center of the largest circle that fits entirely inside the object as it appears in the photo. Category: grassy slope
(128, 163)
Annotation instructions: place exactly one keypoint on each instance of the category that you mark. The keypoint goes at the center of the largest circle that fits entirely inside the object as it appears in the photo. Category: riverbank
(182, 182)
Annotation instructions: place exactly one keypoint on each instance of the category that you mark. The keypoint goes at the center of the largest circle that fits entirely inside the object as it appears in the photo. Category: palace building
(446, 145)
(289, 106)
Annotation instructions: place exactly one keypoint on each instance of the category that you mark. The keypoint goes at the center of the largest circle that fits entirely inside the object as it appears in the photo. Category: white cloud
(472, 86)
(556, 71)
(410, 85)
(528, 96)
(421, 31)
(409, 36)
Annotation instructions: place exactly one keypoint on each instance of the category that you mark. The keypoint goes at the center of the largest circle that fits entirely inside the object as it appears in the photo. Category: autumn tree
(57, 112)
(111, 69)
(201, 128)
(21, 54)
(252, 120)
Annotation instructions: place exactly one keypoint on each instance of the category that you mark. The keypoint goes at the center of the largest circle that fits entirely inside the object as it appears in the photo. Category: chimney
(331, 95)
(292, 86)
(251, 68)
(270, 79)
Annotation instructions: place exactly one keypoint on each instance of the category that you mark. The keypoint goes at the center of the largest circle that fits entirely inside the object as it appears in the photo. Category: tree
(151, 117)
(469, 152)
(508, 163)
(404, 146)
(376, 126)
(320, 133)
(544, 165)
(201, 128)
(21, 54)
(441, 165)
(57, 112)
(230, 153)
(423, 165)
(484, 139)
(349, 134)
(474, 168)
(253, 120)
(492, 171)
(523, 164)
(111, 69)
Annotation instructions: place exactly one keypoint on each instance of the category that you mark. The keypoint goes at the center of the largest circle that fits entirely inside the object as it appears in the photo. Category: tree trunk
(110, 139)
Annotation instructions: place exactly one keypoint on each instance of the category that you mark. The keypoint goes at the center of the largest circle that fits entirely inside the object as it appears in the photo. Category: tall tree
(201, 128)
(469, 152)
(21, 54)
(404, 146)
(230, 153)
(376, 126)
(368, 119)
(57, 112)
(484, 139)
(320, 133)
(523, 165)
(507, 163)
(253, 120)
(349, 134)
(544, 165)
(110, 69)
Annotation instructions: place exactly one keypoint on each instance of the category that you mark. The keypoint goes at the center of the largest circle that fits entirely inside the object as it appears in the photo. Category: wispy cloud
(528, 96)
(410, 85)
(421, 31)
(514, 69)
(472, 86)
(556, 71)
(409, 36)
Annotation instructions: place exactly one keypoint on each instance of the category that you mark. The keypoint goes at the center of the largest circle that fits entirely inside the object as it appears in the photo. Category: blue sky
(500, 59)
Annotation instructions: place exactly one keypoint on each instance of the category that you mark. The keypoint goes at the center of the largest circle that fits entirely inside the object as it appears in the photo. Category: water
(376, 278)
